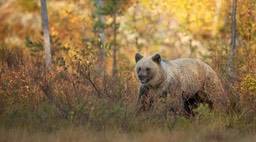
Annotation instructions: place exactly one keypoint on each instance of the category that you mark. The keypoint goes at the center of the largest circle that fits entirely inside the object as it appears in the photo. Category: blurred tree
(114, 14)
(102, 52)
(47, 43)
(176, 28)
(111, 9)
(230, 64)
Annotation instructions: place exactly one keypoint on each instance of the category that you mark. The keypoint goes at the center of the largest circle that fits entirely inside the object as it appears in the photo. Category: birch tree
(115, 34)
(47, 43)
(102, 35)
(230, 64)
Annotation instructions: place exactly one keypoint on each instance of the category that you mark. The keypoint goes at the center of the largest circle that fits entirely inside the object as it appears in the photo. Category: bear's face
(147, 67)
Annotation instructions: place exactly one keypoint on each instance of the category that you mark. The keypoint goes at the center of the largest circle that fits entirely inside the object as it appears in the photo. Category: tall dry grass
(76, 101)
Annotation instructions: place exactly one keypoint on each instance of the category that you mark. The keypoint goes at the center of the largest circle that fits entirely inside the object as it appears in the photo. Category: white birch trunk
(47, 43)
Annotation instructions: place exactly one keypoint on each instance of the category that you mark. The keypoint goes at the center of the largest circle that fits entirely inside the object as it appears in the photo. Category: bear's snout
(141, 77)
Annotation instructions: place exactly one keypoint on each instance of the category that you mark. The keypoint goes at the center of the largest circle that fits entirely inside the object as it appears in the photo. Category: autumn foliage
(82, 92)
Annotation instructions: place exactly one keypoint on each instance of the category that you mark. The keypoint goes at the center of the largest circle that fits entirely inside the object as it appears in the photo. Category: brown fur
(182, 81)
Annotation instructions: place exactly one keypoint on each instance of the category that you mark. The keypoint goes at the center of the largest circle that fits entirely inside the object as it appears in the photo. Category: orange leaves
(15, 84)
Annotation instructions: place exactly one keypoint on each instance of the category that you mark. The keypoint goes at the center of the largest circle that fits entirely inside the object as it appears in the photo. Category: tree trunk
(218, 4)
(102, 51)
(114, 44)
(47, 43)
(134, 24)
(230, 64)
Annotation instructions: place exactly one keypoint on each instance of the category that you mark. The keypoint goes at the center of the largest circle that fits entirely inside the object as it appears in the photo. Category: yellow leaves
(249, 84)
(70, 14)
(73, 19)
(68, 10)
(71, 114)
(146, 3)
(65, 12)
(196, 15)
(53, 30)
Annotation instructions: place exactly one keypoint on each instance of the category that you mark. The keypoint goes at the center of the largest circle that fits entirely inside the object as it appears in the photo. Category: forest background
(89, 91)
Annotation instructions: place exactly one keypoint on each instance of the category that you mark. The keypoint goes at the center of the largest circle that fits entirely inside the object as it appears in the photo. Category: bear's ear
(157, 58)
(138, 56)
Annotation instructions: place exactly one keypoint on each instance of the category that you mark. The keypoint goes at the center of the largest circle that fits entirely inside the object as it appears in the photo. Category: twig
(88, 77)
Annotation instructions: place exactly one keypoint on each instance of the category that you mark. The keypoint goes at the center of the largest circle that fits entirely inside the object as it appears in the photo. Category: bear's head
(148, 69)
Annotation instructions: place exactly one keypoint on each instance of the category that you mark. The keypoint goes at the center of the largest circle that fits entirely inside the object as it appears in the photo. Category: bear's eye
(139, 69)
(147, 69)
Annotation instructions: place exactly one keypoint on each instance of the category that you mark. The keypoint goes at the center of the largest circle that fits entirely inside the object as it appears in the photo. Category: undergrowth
(76, 93)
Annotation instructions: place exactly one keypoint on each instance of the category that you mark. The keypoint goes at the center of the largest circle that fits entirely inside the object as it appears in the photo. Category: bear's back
(191, 73)
(188, 65)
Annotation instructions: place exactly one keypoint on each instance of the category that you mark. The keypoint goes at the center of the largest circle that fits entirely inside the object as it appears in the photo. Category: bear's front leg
(144, 100)
(176, 102)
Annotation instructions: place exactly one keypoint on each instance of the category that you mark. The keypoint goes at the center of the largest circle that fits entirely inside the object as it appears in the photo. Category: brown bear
(185, 81)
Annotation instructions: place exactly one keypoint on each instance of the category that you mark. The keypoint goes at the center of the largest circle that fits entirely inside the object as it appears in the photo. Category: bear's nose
(140, 76)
